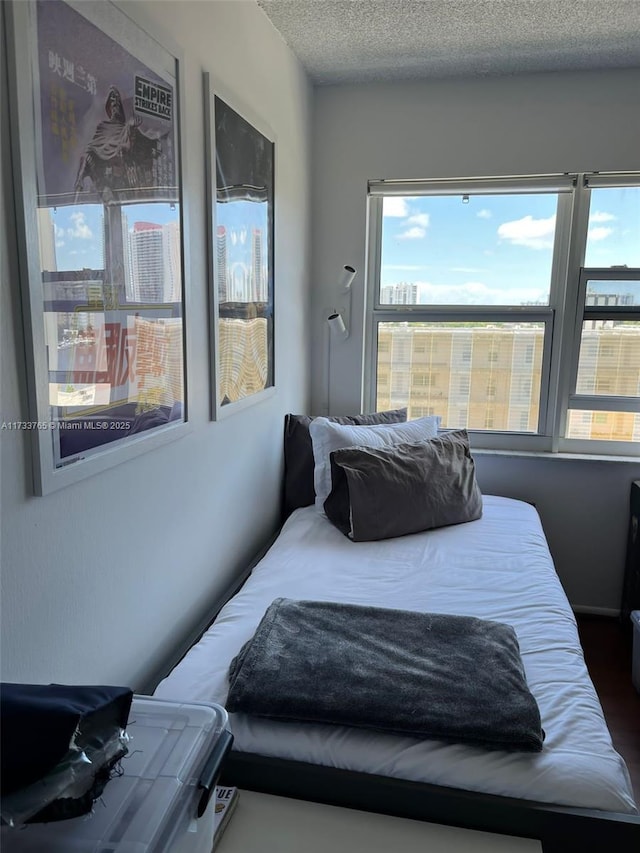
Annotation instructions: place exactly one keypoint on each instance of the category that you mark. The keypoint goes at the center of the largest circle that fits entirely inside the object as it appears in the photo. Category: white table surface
(263, 823)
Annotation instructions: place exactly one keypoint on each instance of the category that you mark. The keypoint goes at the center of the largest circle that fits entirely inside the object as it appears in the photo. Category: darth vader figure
(120, 155)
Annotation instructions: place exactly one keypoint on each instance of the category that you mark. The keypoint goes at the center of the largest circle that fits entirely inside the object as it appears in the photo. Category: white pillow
(327, 436)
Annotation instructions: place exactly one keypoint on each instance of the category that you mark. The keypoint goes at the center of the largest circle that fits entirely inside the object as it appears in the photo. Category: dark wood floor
(608, 653)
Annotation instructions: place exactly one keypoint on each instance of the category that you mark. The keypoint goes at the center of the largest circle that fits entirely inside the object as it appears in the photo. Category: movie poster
(110, 231)
(108, 122)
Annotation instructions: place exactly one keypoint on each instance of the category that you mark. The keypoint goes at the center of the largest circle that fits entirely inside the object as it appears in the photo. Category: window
(518, 312)
(524, 421)
(421, 411)
(423, 379)
(605, 378)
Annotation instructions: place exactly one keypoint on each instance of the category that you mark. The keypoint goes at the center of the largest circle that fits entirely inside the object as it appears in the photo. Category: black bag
(45, 726)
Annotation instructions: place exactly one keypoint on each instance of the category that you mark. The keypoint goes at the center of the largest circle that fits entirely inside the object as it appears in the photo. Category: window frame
(601, 402)
(562, 318)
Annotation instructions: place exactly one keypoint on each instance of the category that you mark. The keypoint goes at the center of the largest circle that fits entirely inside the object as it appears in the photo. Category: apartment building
(489, 378)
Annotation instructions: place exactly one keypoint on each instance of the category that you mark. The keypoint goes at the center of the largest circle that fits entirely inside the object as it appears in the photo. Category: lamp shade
(337, 326)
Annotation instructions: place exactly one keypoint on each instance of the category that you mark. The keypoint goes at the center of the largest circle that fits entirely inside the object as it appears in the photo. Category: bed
(497, 567)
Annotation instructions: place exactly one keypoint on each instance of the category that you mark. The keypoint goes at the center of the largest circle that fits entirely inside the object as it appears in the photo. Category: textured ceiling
(343, 41)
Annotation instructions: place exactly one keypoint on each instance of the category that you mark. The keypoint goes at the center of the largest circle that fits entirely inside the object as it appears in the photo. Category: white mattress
(498, 567)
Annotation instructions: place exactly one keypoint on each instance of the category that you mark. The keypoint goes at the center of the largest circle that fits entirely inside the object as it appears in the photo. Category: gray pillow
(379, 493)
(327, 436)
(298, 453)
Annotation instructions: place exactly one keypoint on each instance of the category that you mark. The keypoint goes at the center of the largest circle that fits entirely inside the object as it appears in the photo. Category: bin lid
(152, 803)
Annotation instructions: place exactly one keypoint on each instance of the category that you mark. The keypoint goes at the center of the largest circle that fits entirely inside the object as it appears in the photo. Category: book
(225, 803)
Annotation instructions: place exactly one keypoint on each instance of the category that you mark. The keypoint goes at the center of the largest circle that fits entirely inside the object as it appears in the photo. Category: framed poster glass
(95, 121)
(241, 170)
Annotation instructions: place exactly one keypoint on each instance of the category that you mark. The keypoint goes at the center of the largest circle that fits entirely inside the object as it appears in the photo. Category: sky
(239, 217)
(493, 250)
(496, 250)
(78, 230)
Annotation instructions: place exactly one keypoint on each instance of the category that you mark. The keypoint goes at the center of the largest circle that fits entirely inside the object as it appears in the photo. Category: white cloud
(477, 293)
(421, 219)
(484, 214)
(600, 233)
(415, 233)
(395, 206)
(404, 267)
(529, 232)
(601, 216)
(58, 233)
(80, 228)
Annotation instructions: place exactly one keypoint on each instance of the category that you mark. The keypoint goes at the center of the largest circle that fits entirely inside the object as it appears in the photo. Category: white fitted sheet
(498, 567)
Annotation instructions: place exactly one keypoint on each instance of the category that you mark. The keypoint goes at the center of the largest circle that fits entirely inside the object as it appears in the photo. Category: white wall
(101, 580)
(454, 128)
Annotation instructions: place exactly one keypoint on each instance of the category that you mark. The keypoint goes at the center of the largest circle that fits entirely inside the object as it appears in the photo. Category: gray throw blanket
(427, 675)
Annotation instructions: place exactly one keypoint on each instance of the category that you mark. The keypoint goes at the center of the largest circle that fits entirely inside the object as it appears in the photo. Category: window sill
(546, 454)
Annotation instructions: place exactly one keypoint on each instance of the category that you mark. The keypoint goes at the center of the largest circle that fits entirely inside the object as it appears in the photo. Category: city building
(489, 379)
(403, 293)
(153, 271)
(258, 267)
(47, 239)
(221, 264)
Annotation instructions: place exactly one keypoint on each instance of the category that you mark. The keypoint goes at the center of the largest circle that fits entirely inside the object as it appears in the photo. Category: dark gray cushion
(298, 453)
(383, 492)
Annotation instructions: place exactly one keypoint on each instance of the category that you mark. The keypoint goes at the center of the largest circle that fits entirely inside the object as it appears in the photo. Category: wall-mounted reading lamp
(338, 321)
(337, 326)
(339, 318)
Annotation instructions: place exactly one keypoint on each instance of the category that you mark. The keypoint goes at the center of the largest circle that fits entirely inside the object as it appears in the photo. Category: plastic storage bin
(175, 755)
(635, 662)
